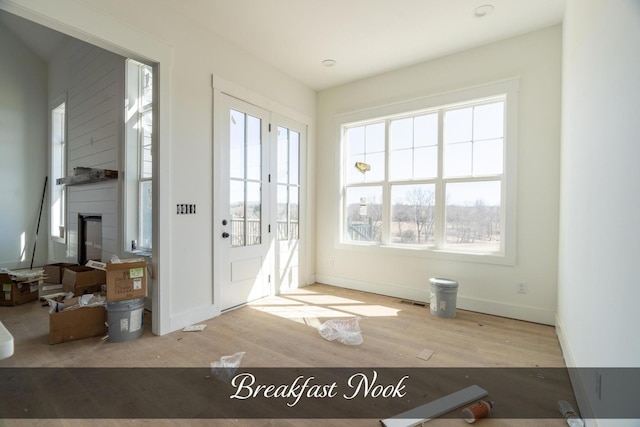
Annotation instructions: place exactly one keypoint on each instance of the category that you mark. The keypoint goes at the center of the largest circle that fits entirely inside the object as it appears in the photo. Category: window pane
(283, 212)
(457, 125)
(355, 140)
(487, 157)
(375, 135)
(473, 215)
(425, 162)
(401, 164)
(283, 155)
(236, 144)
(457, 159)
(254, 214)
(237, 212)
(354, 176)
(294, 213)
(146, 210)
(376, 160)
(364, 214)
(401, 134)
(488, 121)
(413, 214)
(146, 165)
(294, 157)
(147, 85)
(425, 130)
(254, 149)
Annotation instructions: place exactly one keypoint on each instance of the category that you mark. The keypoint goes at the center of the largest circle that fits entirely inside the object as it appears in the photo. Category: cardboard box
(126, 280)
(76, 324)
(82, 280)
(49, 290)
(16, 293)
(53, 272)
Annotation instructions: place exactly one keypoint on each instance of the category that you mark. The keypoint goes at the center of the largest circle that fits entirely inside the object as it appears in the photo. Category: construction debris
(345, 331)
(425, 354)
(194, 328)
(428, 411)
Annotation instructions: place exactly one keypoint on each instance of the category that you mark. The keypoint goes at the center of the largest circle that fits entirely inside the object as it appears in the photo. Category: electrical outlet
(522, 288)
(598, 385)
(330, 262)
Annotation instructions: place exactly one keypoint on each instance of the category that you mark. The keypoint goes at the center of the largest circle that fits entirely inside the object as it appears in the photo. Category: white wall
(188, 56)
(598, 290)
(95, 114)
(23, 154)
(536, 59)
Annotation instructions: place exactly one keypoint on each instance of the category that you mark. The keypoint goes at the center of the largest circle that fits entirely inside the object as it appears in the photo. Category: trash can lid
(443, 282)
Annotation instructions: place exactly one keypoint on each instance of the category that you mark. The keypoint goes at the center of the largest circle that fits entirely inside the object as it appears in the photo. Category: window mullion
(386, 190)
(440, 187)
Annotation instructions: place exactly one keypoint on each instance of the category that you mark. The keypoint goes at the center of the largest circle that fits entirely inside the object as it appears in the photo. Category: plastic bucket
(125, 319)
(442, 302)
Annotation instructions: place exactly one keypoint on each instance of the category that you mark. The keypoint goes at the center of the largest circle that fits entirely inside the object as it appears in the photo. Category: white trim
(99, 29)
(396, 290)
(447, 100)
(220, 88)
(236, 91)
(579, 387)
(53, 105)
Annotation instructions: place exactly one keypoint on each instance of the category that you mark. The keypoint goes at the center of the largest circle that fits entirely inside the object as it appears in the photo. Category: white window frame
(507, 253)
(134, 176)
(58, 158)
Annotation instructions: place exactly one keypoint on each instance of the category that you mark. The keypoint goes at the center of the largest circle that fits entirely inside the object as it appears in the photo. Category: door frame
(221, 87)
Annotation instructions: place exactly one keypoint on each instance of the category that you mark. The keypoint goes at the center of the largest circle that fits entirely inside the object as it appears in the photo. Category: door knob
(225, 235)
(224, 222)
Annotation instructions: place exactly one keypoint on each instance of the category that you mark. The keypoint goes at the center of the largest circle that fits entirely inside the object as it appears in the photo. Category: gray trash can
(442, 302)
(125, 319)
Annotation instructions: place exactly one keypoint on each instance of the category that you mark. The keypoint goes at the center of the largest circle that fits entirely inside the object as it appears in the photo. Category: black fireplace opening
(89, 238)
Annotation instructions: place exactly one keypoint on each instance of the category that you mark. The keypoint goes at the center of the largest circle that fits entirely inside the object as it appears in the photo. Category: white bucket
(442, 301)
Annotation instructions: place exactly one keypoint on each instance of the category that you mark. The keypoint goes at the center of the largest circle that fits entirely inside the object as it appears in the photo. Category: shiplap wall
(95, 123)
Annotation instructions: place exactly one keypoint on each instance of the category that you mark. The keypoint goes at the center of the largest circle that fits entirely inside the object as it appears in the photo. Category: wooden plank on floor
(428, 411)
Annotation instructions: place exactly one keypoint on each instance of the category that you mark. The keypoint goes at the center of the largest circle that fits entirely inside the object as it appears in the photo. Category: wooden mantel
(87, 176)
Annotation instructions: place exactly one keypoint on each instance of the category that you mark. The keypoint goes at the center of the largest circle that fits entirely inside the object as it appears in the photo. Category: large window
(138, 158)
(58, 168)
(432, 179)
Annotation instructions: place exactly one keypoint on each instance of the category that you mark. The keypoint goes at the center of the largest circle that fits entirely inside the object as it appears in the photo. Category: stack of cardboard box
(119, 281)
(17, 289)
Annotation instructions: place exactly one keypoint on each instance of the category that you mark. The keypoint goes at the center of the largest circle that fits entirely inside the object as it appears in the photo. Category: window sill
(496, 258)
(140, 252)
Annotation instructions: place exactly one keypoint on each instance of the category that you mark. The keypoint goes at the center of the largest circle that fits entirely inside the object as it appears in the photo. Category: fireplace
(89, 238)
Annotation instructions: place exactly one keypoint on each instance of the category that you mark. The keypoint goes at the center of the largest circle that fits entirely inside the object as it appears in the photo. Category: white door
(246, 256)
(290, 137)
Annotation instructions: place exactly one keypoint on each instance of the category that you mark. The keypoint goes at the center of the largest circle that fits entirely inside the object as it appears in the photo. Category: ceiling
(363, 37)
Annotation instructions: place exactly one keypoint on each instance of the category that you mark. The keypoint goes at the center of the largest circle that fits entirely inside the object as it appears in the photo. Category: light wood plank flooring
(281, 332)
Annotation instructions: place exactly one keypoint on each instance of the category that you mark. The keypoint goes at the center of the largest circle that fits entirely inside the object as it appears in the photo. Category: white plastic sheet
(345, 331)
(225, 368)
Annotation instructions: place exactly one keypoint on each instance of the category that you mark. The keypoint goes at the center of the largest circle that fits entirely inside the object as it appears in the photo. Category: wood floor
(281, 332)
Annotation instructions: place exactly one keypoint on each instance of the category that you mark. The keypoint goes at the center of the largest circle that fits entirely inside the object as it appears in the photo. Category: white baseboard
(579, 389)
(530, 314)
(179, 321)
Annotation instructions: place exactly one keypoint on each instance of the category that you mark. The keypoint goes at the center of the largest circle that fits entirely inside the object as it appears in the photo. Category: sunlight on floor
(309, 307)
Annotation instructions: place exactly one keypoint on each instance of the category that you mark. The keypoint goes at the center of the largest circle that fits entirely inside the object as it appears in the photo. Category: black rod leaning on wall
(44, 191)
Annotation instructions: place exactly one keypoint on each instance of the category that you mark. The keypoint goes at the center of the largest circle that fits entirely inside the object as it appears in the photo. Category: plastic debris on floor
(345, 331)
